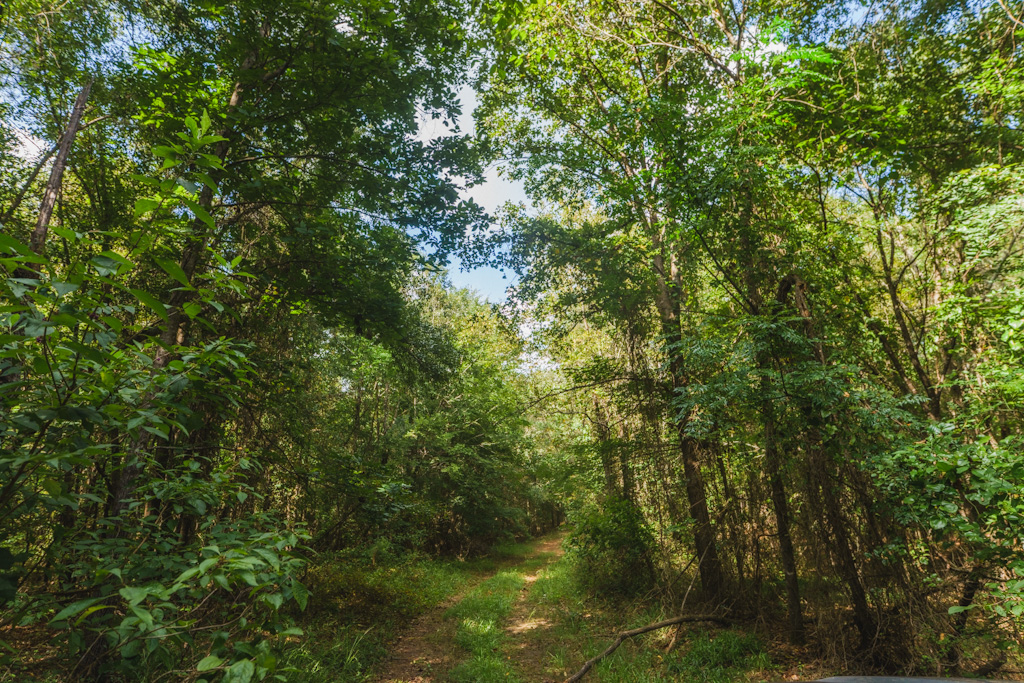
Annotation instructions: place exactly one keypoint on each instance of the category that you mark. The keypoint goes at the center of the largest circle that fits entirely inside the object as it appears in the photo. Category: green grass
(720, 657)
(357, 609)
(480, 617)
(584, 626)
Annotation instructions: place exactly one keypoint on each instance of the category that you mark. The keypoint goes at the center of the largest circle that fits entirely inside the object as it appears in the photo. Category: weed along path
(479, 634)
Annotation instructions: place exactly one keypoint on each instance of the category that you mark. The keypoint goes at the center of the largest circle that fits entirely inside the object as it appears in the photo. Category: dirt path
(529, 653)
(425, 651)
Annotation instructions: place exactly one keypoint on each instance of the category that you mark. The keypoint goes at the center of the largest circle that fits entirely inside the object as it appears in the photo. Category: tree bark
(611, 484)
(819, 478)
(53, 185)
(708, 564)
(191, 260)
(847, 565)
(776, 482)
(780, 504)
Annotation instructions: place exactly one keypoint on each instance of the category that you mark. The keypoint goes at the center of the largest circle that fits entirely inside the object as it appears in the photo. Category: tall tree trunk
(730, 518)
(191, 259)
(53, 185)
(37, 242)
(708, 562)
(821, 481)
(970, 590)
(611, 484)
(668, 297)
(780, 505)
(628, 480)
(840, 538)
(776, 482)
(705, 545)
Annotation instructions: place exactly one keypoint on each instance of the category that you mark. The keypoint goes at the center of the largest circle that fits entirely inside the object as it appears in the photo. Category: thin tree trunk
(18, 198)
(970, 590)
(709, 564)
(780, 504)
(847, 565)
(628, 480)
(735, 524)
(611, 484)
(53, 185)
(776, 482)
(820, 480)
(174, 332)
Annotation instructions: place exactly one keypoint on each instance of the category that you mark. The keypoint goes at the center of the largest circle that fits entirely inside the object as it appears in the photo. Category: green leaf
(167, 152)
(114, 256)
(66, 233)
(144, 615)
(240, 672)
(174, 270)
(11, 243)
(134, 595)
(151, 301)
(86, 613)
(200, 213)
(74, 608)
(144, 206)
(208, 663)
(63, 288)
(300, 593)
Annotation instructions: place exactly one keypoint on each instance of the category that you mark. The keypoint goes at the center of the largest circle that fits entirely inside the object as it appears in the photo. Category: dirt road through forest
(425, 652)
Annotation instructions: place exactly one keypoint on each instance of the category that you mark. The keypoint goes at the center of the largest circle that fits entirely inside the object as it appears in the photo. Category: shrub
(610, 549)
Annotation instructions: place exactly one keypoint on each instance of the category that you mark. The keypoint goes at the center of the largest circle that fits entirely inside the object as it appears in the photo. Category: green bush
(720, 657)
(610, 549)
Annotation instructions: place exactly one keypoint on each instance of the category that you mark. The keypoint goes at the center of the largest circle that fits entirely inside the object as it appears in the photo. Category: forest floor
(526, 621)
(430, 648)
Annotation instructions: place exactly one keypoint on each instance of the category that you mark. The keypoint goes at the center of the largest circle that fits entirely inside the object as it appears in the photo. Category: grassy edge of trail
(578, 626)
(361, 603)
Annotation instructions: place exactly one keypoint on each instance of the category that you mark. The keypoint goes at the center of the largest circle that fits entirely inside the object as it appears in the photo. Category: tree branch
(640, 631)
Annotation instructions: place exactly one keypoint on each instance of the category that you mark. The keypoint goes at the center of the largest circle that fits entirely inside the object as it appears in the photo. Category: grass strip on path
(480, 619)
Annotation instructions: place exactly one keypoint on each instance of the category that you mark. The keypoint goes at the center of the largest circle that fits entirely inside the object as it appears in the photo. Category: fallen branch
(639, 631)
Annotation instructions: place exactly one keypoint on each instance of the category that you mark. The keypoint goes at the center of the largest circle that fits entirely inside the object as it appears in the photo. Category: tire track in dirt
(529, 653)
(425, 651)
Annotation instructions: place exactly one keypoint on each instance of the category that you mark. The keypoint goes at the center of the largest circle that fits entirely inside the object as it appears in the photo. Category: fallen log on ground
(621, 638)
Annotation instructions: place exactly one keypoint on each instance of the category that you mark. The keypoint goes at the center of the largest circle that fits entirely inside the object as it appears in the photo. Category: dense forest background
(763, 354)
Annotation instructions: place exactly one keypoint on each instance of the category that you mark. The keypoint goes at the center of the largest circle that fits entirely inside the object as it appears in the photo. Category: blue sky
(491, 195)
